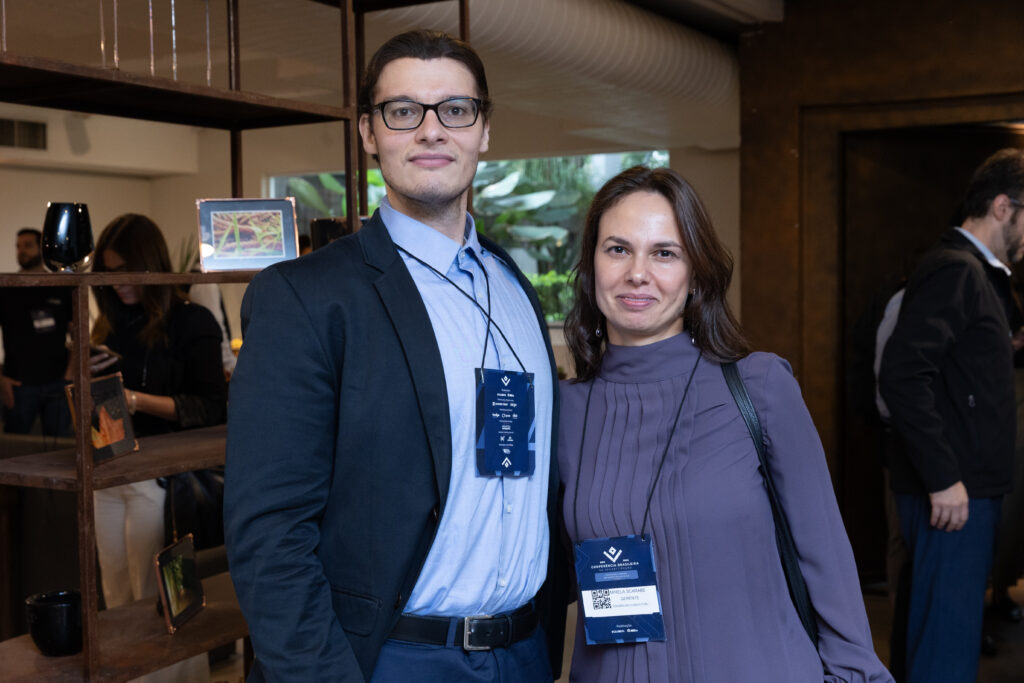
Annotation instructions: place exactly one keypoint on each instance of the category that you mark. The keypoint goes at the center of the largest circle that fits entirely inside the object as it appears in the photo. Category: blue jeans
(48, 401)
(522, 662)
(949, 570)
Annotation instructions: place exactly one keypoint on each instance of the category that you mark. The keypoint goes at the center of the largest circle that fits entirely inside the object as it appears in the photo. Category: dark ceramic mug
(55, 622)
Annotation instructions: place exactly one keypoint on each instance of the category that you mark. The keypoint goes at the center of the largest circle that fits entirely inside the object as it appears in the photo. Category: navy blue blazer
(339, 459)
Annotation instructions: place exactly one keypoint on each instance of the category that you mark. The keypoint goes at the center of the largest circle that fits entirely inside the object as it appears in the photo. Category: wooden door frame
(821, 215)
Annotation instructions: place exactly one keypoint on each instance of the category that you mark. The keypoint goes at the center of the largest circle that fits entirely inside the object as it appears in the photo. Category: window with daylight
(535, 209)
(532, 207)
(321, 195)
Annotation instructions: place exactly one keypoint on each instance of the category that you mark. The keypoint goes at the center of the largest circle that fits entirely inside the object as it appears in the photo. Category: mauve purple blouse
(728, 614)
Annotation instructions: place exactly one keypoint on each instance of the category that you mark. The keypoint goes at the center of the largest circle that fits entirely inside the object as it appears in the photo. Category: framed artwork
(246, 234)
(112, 431)
(181, 591)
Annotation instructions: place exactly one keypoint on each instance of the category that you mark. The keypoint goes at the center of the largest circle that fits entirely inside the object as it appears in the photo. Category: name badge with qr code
(619, 590)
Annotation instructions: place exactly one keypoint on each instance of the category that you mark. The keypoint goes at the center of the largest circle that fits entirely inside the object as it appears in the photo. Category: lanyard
(463, 292)
(664, 455)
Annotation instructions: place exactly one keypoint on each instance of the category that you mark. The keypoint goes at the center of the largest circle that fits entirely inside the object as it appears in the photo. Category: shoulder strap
(783, 535)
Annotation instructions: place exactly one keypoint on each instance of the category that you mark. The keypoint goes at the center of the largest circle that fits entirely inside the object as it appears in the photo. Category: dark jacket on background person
(947, 375)
(186, 367)
(339, 459)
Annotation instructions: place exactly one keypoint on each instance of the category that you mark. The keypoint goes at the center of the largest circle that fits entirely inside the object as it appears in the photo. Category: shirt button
(508, 508)
(502, 582)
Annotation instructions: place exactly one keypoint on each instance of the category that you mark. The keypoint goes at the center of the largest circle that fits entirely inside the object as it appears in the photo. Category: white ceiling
(604, 72)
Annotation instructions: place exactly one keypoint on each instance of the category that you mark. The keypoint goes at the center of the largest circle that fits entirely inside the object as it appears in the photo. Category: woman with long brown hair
(168, 352)
(676, 555)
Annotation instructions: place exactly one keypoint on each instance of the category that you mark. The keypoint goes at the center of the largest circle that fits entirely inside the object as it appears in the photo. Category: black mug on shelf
(67, 236)
(55, 622)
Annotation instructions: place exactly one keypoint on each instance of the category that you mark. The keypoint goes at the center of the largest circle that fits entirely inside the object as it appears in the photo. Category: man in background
(947, 379)
(35, 324)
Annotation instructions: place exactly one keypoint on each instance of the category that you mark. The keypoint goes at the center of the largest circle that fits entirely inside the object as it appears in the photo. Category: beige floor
(1006, 667)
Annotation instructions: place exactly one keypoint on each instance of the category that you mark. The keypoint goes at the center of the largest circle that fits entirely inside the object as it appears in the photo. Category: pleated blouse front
(728, 614)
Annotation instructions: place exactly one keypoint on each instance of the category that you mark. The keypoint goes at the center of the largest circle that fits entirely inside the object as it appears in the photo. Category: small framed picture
(112, 431)
(246, 234)
(181, 591)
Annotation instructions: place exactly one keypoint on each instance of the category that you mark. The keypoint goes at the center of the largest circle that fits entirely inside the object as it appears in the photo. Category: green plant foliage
(332, 184)
(305, 193)
(555, 293)
(500, 188)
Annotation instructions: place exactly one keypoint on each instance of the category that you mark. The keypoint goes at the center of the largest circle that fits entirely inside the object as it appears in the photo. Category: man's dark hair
(422, 44)
(32, 231)
(1002, 173)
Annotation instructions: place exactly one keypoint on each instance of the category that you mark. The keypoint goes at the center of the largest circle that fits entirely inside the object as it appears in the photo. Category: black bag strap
(783, 535)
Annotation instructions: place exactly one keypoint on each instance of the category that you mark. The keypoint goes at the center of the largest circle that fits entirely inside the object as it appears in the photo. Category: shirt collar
(986, 252)
(423, 241)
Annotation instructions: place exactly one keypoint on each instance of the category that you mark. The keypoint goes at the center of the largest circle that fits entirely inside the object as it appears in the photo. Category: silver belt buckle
(466, 632)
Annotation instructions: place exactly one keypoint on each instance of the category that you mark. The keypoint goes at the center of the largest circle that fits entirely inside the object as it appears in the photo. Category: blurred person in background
(169, 353)
(35, 323)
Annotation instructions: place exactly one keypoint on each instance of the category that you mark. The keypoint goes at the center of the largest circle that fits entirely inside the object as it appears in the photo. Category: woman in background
(652, 445)
(168, 351)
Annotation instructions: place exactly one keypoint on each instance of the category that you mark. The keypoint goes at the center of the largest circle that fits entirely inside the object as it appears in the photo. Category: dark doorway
(901, 189)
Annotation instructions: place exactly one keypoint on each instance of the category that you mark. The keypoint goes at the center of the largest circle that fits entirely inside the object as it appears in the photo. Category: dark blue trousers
(949, 571)
(45, 400)
(522, 662)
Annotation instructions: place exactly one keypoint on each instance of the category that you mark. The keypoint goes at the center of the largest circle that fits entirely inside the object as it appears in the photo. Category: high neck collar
(650, 363)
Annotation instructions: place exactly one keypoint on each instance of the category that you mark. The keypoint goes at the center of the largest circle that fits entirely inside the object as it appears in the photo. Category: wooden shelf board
(40, 82)
(158, 456)
(97, 279)
(379, 5)
(134, 640)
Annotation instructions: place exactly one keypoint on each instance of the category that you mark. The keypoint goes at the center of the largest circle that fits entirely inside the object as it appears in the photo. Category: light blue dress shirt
(491, 550)
(986, 252)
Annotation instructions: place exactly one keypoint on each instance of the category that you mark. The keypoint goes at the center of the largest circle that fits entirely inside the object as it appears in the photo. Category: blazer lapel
(409, 317)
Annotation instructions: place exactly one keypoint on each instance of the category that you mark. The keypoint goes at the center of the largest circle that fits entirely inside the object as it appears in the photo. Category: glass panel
(535, 209)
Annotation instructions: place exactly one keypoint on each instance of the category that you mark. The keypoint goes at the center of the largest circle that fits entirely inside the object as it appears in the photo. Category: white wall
(716, 177)
(24, 193)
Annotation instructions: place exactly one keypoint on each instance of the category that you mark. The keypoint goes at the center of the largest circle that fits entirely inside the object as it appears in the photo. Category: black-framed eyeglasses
(455, 112)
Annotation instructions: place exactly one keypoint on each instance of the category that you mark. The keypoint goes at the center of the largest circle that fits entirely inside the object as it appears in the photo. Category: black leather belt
(484, 632)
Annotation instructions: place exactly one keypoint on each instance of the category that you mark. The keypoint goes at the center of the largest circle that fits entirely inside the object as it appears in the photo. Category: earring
(598, 333)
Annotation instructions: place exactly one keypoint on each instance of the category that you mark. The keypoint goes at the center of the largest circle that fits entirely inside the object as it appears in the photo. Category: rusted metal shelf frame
(84, 468)
(114, 92)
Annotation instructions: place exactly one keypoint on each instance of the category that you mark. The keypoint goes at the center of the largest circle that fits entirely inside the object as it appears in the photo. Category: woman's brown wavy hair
(706, 317)
(137, 240)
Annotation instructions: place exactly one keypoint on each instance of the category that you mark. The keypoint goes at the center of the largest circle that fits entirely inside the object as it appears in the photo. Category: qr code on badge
(601, 599)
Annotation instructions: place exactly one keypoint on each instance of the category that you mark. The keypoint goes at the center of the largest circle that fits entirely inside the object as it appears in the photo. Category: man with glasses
(947, 378)
(391, 481)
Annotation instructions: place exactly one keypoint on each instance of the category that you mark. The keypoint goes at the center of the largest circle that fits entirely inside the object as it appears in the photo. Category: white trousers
(129, 534)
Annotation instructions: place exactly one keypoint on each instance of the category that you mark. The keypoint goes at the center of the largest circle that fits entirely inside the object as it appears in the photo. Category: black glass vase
(67, 236)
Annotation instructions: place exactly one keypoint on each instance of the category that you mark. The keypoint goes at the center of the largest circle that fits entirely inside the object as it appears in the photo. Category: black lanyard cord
(476, 303)
(664, 455)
